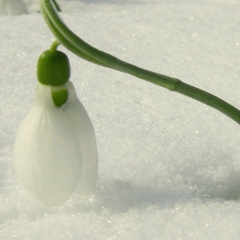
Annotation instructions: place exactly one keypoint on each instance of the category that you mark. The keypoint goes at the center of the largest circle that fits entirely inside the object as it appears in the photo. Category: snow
(169, 167)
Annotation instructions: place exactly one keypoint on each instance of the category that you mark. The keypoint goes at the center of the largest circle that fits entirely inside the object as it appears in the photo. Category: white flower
(55, 150)
(86, 140)
(12, 7)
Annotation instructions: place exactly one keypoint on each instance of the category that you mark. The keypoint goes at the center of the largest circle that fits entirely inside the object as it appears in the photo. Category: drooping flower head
(55, 150)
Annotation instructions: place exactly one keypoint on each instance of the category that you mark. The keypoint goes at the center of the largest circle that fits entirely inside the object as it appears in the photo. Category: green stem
(60, 33)
(209, 100)
(54, 46)
(82, 49)
(56, 5)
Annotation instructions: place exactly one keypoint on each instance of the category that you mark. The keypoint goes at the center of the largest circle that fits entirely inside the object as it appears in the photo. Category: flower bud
(55, 152)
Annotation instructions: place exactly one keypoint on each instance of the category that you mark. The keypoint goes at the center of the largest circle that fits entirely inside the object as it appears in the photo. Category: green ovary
(53, 68)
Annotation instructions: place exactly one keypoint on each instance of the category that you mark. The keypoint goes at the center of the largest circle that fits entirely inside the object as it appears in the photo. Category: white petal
(12, 7)
(47, 155)
(87, 142)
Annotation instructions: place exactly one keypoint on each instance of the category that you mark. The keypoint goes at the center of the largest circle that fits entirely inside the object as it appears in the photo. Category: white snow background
(169, 167)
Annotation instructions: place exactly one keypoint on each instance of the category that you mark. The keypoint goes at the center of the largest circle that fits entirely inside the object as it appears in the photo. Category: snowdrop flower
(55, 150)
(12, 7)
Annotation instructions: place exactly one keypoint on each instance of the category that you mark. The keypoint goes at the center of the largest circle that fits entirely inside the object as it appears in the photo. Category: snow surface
(169, 167)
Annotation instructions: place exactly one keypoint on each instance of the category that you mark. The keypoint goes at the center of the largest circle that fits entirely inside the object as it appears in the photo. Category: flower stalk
(82, 49)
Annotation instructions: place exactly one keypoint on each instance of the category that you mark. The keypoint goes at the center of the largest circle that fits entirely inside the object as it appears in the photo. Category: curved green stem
(56, 5)
(82, 49)
(54, 46)
(209, 100)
